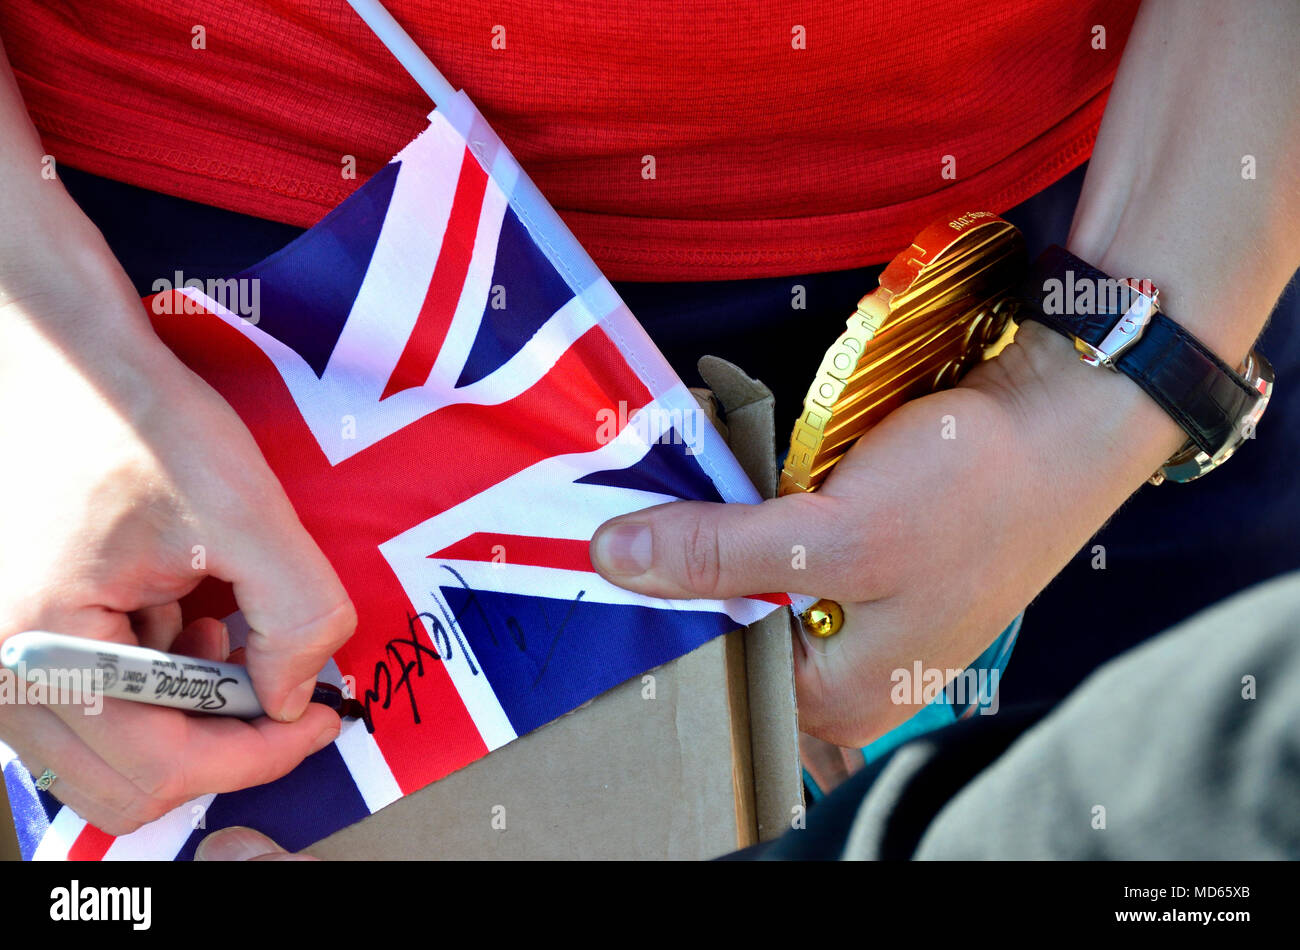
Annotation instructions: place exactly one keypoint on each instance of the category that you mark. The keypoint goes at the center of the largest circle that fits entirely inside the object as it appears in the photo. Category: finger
(93, 623)
(243, 844)
(83, 780)
(297, 610)
(204, 639)
(225, 755)
(157, 627)
(175, 756)
(799, 543)
(826, 763)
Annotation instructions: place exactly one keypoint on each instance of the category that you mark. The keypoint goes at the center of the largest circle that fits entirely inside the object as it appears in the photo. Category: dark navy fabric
(327, 264)
(321, 785)
(549, 656)
(661, 471)
(1170, 550)
(526, 290)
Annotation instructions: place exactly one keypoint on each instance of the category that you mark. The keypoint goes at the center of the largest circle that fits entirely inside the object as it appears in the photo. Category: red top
(783, 142)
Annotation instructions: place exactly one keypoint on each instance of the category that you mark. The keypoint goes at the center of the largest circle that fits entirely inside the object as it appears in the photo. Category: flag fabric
(454, 398)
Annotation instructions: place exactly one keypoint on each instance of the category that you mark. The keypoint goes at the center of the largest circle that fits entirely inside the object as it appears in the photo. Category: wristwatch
(1117, 324)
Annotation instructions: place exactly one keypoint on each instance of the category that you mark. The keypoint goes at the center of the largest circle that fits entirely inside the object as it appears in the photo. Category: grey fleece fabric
(1160, 754)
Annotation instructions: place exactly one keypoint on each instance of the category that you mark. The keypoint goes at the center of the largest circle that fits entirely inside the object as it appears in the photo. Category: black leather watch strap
(1202, 394)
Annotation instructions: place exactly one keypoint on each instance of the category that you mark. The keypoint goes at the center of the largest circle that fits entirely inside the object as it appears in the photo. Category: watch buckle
(1128, 329)
(1190, 463)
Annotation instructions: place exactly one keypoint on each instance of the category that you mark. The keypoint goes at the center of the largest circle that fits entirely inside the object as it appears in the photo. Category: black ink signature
(513, 628)
(406, 667)
(404, 657)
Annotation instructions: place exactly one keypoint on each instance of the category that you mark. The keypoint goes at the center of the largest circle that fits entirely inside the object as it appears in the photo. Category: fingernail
(296, 704)
(234, 844)
(623, 549)
(225, 642)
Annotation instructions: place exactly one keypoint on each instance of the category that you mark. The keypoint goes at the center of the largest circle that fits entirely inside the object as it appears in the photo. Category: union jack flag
(454, 398)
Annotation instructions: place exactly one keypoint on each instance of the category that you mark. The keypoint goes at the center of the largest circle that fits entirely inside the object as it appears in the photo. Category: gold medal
(941, 306)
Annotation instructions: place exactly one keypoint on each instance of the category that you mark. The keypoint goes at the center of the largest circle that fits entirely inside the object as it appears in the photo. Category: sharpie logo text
(204, 691)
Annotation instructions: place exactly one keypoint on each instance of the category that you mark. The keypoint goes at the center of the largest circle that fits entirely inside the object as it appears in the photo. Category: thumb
(703, 549)
(243, 844)
(297, 609)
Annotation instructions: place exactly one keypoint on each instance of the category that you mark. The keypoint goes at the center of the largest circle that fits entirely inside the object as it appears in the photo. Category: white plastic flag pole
(401, 45)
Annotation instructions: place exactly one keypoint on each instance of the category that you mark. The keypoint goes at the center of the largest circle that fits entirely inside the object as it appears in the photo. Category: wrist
(60, 276)
(1223, 306)
(1118, 325)
(1096, 427)
(68, 308)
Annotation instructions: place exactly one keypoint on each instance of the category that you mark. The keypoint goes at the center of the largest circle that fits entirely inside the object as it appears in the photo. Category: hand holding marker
(152, 676)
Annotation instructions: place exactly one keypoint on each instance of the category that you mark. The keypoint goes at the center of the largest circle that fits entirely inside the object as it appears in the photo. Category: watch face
(940, 305)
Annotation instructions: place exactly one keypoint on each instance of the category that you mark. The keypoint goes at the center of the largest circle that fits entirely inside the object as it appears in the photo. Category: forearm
(46, 242)
(65, 302)
(1201, 86)
(1205, 91)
